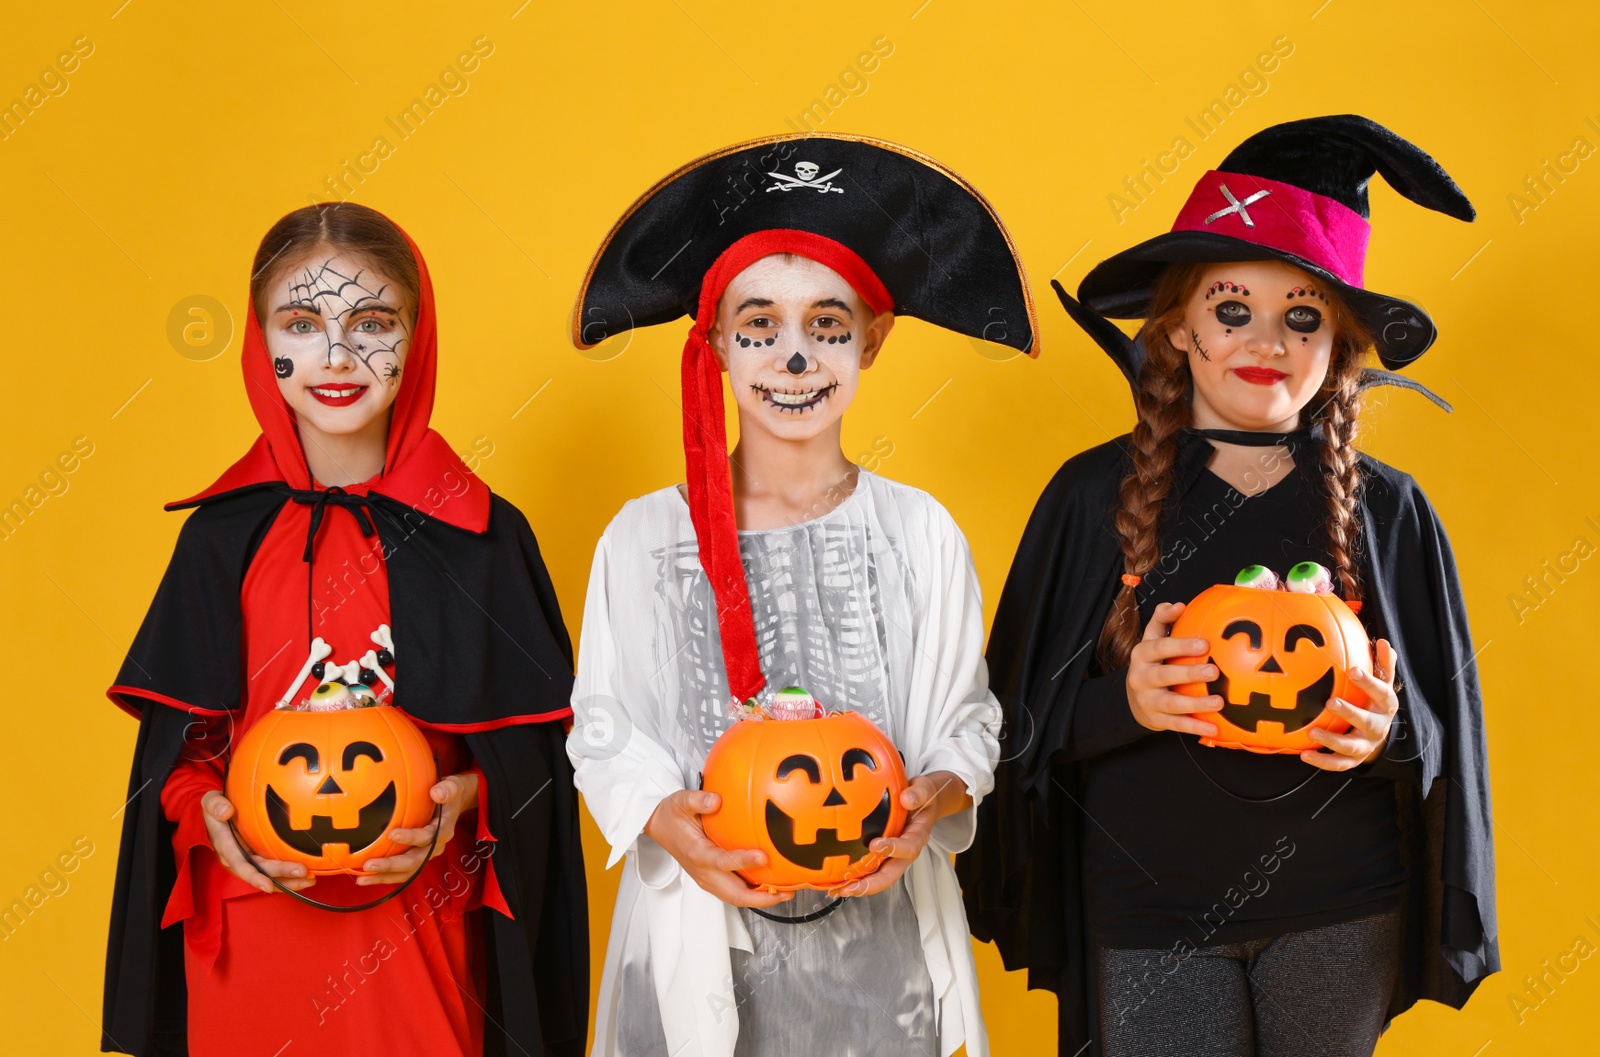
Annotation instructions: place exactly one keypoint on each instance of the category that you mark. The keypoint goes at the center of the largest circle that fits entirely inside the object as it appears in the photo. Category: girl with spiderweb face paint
(337, 328)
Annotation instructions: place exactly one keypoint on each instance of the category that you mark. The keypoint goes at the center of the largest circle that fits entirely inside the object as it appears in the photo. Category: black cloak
(1022, 878)
(478, 626)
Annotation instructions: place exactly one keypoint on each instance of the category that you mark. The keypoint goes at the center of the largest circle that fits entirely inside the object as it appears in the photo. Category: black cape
(477, 623)
(1022, 877)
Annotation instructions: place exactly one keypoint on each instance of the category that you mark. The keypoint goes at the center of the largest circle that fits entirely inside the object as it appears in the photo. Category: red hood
(419, 463)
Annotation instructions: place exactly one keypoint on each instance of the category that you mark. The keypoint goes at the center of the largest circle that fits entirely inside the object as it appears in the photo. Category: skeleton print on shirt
(813, 626)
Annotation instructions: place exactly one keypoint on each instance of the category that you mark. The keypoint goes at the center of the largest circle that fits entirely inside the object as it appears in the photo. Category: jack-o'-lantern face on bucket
(812, 794)
(1280, 657)
(325, 788)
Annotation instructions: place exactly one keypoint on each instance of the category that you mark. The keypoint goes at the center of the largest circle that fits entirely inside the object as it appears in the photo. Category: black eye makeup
(831, 330)
(745, 343)
(1303, 319)
(1233, 313)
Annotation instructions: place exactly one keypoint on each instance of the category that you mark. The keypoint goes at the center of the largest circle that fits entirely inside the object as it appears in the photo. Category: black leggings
(1324, 991)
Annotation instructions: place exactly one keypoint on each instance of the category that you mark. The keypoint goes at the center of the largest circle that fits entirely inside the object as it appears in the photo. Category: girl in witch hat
(1180, 899)
(350, 543)
(793, 257)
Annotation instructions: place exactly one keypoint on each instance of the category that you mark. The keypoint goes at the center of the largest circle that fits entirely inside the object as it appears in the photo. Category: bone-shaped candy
(371, 661)
(384, 639)
(319, 651)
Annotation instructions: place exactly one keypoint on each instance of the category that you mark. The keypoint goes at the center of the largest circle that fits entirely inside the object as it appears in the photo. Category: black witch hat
(1295, 192)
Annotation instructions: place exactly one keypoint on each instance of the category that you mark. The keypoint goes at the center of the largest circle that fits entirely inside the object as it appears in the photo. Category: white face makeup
(794, 337)
(1259, 335)
(338, 331)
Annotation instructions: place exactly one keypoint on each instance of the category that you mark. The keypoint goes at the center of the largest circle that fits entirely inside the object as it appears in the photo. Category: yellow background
(191, 128)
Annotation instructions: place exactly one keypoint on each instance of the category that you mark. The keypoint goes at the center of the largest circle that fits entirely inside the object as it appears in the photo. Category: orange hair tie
(1355, 607)
(1130, 579)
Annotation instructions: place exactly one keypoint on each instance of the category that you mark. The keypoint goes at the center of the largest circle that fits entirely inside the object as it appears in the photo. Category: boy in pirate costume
(1181, 899)
(793, 256)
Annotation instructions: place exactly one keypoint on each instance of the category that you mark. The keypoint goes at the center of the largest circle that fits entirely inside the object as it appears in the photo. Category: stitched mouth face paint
(795, 401)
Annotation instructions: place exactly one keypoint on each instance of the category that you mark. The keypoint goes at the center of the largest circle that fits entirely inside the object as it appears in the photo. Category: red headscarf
(705, 437)
(417, 458)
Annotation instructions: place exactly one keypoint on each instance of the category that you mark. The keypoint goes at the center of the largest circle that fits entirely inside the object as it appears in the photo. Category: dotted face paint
(745, 343)
(1224, 287)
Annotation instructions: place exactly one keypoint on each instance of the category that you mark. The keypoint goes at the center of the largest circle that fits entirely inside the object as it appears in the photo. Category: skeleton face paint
(790, 332)
(337, 331)
(1257, 352)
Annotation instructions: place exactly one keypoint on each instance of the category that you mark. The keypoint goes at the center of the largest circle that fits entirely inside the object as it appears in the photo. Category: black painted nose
(797, 364)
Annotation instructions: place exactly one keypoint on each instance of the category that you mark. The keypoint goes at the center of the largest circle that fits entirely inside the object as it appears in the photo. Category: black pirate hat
(1295, 192)
(933, 240)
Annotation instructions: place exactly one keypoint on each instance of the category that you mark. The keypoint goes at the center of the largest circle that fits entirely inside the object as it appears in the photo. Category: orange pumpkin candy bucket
(322, 785)
(1281, 654)
(811, 793)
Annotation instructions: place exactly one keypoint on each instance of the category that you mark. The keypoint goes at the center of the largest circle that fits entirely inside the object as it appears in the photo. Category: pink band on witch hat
(1282, 217)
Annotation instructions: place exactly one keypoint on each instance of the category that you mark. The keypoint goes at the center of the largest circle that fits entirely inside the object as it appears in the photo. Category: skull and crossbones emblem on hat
(805, 175)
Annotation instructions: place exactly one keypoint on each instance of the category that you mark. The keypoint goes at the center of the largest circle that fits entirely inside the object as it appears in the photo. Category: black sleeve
(1102, 720)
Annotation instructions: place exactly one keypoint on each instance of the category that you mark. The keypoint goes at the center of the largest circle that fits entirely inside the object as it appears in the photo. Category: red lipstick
(1260, 375)
(347, 393)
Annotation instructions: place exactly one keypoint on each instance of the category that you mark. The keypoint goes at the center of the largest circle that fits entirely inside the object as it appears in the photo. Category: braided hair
(1164, 402)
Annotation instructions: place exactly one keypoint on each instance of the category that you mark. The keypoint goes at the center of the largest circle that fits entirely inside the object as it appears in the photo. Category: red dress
(266, 970)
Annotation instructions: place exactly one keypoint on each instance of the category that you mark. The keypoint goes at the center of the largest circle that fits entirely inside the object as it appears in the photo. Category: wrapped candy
(1258, 576)
(1309, 578)
(794, 703)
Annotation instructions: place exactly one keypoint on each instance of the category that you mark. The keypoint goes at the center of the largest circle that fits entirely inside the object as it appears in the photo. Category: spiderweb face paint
(360, 314)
